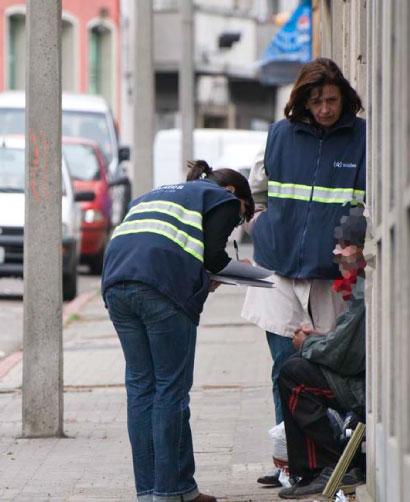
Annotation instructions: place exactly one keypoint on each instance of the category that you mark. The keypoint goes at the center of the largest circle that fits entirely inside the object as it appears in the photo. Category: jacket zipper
(302, 244)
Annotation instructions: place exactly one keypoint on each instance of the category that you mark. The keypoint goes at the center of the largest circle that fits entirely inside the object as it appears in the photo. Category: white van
(233, 148)
(84, 116)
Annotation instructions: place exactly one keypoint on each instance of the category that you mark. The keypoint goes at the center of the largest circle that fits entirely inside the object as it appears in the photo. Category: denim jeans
(281, 349)
(158, 341)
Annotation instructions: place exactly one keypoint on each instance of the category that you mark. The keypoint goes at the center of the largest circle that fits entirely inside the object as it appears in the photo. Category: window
(16, 52)
(68, 56)
(100, 63)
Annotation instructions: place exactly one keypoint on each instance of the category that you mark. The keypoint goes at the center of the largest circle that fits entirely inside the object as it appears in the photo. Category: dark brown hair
(317, 73)
(199, 169)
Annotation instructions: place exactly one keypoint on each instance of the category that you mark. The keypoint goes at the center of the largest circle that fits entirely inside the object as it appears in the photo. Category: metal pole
(143, 99)
(186, 83)
(42, 332)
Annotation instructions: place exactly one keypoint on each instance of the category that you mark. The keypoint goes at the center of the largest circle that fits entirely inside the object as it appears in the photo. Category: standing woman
(313, 168)
(155, 283)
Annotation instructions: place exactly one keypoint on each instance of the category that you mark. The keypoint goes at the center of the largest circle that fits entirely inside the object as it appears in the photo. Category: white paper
(240, 281)
(245, 271)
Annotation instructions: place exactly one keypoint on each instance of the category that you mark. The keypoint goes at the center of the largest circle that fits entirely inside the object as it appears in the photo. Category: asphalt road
(11, 309)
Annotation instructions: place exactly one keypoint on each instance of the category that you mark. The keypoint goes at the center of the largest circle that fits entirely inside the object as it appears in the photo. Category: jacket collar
(346, 121)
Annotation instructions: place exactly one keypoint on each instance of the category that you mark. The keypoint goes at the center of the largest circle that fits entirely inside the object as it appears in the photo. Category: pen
(235, 245)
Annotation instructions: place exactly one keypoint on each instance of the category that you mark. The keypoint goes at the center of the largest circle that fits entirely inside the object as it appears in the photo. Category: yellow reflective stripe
(296, 185)
(289, 190)
(328, 189)
(186, 216)
(186, 242)
(332, 195)
(289, 196)
(359, 195)
(337, 195)
(325, 195)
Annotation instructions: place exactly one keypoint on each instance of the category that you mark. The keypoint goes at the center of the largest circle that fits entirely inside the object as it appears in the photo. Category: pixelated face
(325, 104)
(349, 258)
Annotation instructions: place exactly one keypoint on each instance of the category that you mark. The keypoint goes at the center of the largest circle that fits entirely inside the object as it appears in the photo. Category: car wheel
(70, 285)
(96, 262)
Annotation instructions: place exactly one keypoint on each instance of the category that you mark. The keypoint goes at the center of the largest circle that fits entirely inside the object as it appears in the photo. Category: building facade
(371, 43)
(90, 47)
(228, 93)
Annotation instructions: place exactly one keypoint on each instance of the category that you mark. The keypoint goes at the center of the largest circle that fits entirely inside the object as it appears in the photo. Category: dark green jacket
(341, 353)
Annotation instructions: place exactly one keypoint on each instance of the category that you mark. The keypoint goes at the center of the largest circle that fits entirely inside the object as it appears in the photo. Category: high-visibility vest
(313, 178)
(160, 243)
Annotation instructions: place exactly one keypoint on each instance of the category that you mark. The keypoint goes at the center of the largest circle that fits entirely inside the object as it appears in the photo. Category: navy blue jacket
(160, 243)
(313, 175)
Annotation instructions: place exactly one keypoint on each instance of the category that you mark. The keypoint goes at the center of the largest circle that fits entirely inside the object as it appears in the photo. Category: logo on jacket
(348, 165)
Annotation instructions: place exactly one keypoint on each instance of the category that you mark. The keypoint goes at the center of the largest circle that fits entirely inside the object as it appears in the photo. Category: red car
(87, 166)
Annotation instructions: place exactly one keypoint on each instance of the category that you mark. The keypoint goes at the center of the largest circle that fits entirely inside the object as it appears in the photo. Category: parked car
(88, 170)
(12, 181)
(84, 116)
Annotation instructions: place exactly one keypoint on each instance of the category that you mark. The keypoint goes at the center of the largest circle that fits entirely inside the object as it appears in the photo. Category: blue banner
(293, 42)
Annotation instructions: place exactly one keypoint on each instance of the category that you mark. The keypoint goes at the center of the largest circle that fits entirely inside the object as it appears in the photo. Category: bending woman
(154, 284)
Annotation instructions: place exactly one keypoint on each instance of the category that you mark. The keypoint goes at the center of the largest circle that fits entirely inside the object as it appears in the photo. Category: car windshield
(12, 121)
(92, 126)
(12, 169)
(82, 162)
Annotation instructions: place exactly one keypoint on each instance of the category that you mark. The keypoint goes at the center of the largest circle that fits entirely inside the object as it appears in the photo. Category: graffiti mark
(45, 172)
(34, 163)
(39, 165)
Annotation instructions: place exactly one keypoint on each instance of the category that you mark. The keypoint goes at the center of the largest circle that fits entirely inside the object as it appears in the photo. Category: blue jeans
(158, 341)
(281, 349)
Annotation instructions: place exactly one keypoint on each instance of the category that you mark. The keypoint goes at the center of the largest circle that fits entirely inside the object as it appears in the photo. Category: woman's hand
(299, 337)
(213, 285)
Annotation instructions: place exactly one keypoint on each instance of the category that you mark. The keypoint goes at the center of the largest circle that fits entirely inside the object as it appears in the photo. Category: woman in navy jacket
(312, 170)
(154, 283)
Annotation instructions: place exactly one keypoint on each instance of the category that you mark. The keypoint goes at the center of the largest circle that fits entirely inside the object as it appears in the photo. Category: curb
(70, 309)
(77, 304)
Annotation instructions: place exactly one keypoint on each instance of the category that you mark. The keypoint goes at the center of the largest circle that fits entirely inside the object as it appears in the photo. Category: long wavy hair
(317, 73)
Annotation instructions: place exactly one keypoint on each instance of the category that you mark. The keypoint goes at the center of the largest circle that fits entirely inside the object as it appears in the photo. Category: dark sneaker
(271, 480)
(350, 481)
(291, 493)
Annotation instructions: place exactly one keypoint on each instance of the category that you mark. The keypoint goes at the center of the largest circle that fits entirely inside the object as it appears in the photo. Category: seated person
(327, 372)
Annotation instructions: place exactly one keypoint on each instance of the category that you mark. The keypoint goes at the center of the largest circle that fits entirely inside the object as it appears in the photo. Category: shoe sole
(347, 490)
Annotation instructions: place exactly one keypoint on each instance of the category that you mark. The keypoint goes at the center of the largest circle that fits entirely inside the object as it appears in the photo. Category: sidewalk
(231, 413)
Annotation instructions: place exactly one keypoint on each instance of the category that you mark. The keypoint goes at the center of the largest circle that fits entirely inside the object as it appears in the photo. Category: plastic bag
(341, 497)
(278, 435)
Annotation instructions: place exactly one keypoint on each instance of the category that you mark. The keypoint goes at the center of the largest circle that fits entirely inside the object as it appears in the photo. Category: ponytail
(198, 169)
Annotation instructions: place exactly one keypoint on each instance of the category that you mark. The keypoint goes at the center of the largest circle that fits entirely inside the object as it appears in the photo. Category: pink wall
(84, 11)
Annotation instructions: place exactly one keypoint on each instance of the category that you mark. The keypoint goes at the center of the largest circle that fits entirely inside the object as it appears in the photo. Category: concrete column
(325, 28)
(316, 47)
(337, 31)
(186, 83)
(42, 360)
(144, 107)
(127, 67)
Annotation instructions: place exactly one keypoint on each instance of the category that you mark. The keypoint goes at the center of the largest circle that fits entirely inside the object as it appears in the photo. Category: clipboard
(241, 281)
(238, 273)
